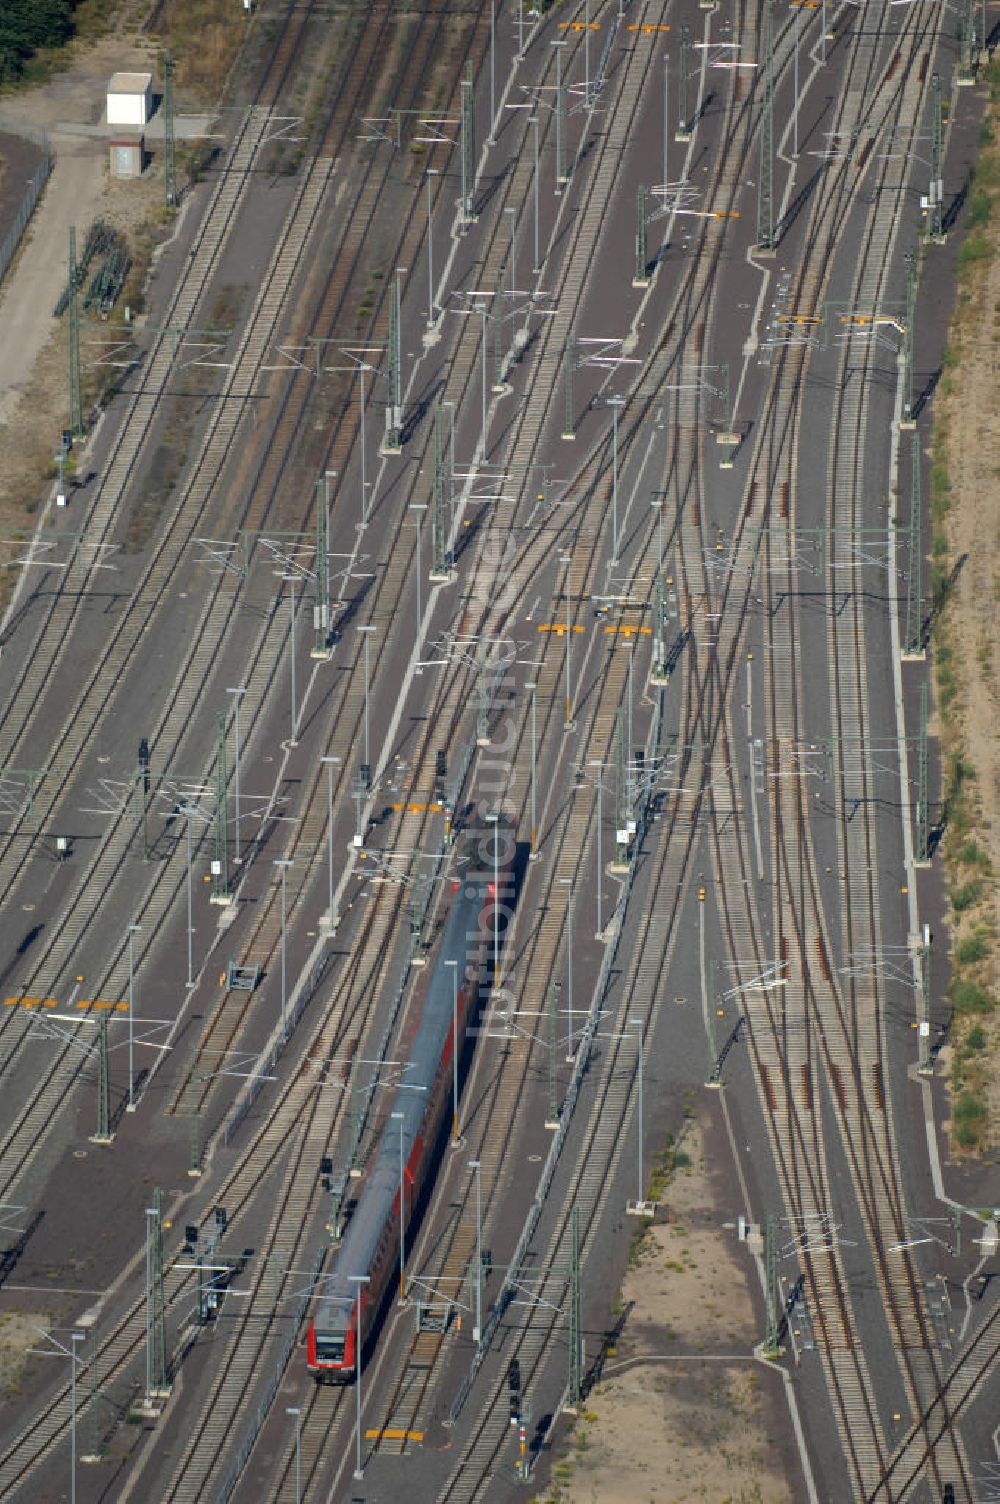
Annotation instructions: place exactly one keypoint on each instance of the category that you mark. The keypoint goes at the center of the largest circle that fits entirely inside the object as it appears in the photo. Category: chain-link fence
(12, 239)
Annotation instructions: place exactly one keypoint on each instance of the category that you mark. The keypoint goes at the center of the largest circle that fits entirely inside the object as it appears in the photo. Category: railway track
(236, 1367)
(46, 655)
(192, 681)
(857, 1445)
(841, 1054)
(411, 1382)
(411, 1386)
(865, 1453)
(600, 742)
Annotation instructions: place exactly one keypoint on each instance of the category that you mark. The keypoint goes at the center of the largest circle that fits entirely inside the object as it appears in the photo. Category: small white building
(127, 156)
(130, 98)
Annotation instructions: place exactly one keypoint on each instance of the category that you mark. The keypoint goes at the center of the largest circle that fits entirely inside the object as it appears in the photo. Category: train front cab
(330, 1355)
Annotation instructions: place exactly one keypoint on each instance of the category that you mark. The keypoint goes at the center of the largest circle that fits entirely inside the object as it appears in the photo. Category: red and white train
(370, 1246)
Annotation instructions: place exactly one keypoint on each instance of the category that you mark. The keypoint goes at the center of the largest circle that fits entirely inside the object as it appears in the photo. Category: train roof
(461, 941)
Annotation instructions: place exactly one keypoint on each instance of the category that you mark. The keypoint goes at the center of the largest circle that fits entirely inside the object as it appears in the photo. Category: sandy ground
(682, 1413)
(17, 1334)
(75, 194)
(972, 526)
(974, 529)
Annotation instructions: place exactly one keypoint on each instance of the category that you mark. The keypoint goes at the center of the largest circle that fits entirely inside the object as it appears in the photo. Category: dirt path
(76, 190)
(19, 160)
(684, 1412)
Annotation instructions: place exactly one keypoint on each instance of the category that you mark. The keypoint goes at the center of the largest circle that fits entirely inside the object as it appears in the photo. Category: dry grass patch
(17, 1334)
(664, 1427)
(965, 519)
(204, 37)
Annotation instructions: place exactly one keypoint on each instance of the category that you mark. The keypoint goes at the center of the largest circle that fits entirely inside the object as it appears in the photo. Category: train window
(329, 1348)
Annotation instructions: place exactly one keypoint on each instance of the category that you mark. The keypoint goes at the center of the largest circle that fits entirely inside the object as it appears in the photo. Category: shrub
(973, 855)
(969, 997)
(970, 950)
(27, 25)
(991, 75)
(966, 895)
(977, 248)
(969, 1115)
(976, 1038)
(940, 479)
(980, 209)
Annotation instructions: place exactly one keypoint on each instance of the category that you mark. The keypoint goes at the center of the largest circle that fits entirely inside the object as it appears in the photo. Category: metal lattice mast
(659, 673)
(923, 782)
(969, 45)
(641, 276)
(220, 866)
(496, 315)
(198, 1078)
(908, 339)
(913, 647)
(322, 613)
(194, 1141)
(92, 1420)
(142, 785)
(712, 1014)
(621, 793)
(169, 146)
(440, 562)
(393, 437)
(765, 193)
(103, 1134)
(561, 174)
(924, 1021)
(569, 355)
(418, 913)
(468, 149)
(935, 195)
(159, 1317)
(552, 1121)
(482, 697)
(771, 1297)
(73, 284)
(683, 131)
(573, 1386)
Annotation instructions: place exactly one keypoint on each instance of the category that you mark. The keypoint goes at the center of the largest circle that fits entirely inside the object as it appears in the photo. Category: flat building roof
(129, 83)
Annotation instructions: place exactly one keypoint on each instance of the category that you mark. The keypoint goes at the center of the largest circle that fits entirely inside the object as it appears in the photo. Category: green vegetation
(962, 667)
(26, 26)
(34, 34)
(964, 897)
(968, 997)
(973, 855)
(969, 1113)
(970, 950)
(976, 247)
(638, 1245)
(980, 209)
